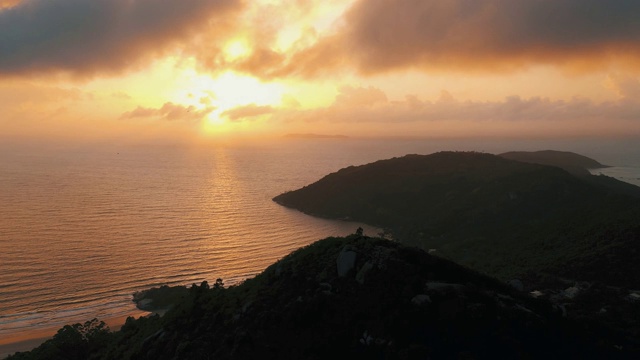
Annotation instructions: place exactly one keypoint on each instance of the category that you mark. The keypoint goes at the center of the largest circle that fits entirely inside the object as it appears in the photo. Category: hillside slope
(354, 297)
(496, 215)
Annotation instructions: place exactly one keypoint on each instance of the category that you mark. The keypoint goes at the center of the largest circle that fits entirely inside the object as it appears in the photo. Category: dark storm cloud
(85, 37)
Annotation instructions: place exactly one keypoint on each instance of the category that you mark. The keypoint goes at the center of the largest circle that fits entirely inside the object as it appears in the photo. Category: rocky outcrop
(346, 261)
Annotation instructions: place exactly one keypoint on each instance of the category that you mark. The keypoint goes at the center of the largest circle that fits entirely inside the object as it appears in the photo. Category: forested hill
(500, 216)
(353, 298)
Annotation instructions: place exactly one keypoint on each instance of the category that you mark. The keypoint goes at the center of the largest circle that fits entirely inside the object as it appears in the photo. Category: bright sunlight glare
(236, 49)
(225, 92)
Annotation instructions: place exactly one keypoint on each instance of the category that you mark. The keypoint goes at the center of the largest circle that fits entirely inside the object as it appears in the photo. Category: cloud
(320, 59)
(378, 36)
(8, 3)
(627, 87)
(169, 111)
(87, 37)
(577, 115)
(22, 102)
(27, 96)
(247, 111)
(277, 33)
(359, 96)
(121, 95)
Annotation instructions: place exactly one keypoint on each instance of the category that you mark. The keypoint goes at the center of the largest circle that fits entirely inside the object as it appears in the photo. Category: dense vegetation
(354, 297)
(503, 217)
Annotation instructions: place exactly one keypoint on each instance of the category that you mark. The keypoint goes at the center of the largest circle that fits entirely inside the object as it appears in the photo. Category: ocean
(82, 227)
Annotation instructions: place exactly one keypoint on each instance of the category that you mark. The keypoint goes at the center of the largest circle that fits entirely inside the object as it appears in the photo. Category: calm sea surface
(83, 227)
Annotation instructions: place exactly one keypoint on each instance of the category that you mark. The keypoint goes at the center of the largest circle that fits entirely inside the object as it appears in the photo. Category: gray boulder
(421, 299)
(346, 262)
(571, 292)
(516, 284)
(363, 272)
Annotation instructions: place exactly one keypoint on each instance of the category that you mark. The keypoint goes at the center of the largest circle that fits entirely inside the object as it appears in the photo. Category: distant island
(315, 136)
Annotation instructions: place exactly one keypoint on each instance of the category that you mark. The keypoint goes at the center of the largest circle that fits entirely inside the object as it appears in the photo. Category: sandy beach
(19, 346)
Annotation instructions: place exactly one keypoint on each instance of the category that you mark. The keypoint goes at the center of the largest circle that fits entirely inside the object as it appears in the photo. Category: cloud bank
(85, 37)
(368, 108)
(171, 112)
(373, 36)
(247, 111)
(490, 33)
(8, 3)
(466, 35)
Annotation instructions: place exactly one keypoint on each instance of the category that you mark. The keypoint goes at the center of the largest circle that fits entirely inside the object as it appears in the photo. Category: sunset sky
(209, 69)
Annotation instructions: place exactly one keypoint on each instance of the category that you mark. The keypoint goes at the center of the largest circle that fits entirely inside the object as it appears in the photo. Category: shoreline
(29, 340)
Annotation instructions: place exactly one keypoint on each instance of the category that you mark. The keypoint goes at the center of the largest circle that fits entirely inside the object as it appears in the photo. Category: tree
(219, 284)
(77, 341)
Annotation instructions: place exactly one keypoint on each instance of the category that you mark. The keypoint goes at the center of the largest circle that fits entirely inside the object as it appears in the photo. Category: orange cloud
(412, 116)
(321, 59)
(247, 111)
(359, 96)
(627, 87)
(8, 3)
(87, 37)
(171, 112)
(30, 96)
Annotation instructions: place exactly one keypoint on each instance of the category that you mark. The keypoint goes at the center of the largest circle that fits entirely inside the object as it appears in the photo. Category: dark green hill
(499, 216)
(426, 188)
(354, 297)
